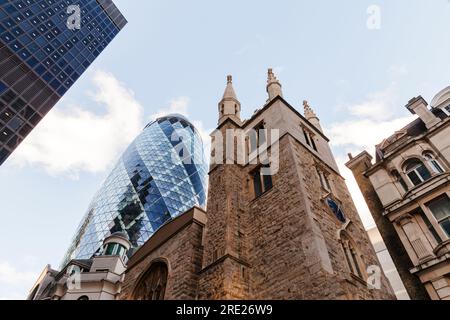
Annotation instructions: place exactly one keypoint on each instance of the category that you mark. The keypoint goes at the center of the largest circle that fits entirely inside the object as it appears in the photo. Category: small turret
(229, 106)
(116, 244)
(311, 116)
(273, 86)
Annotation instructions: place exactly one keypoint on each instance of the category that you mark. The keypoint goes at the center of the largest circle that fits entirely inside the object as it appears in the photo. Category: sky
(356, 62)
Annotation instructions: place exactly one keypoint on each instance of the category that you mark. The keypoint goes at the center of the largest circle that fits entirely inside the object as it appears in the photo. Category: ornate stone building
(280, 225)
(407, 190)
(98, 278)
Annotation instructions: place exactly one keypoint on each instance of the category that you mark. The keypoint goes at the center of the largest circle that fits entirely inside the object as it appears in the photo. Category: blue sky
(174, 56)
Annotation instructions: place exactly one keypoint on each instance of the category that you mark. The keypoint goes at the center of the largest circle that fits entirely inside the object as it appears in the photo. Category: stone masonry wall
(331, 226)
(393, 243)
(182, 253)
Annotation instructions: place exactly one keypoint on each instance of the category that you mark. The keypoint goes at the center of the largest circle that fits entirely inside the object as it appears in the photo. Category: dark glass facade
(41, 58)
(162, 174)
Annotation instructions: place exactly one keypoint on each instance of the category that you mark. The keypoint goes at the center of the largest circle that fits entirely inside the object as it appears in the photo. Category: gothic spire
(311, 116)
(229, 106)
(273, 85)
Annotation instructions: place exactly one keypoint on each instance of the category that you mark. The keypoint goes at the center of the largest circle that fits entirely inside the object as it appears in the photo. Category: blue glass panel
(38, 24)
(149, 186)
(3, 87)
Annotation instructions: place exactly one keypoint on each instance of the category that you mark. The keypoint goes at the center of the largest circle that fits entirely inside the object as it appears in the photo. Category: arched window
(352, 257)
(416, 171)
(398, 178)
(152, 285)
(434, 164)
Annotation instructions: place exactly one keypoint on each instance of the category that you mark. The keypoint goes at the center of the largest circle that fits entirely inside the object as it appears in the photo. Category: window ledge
(424, 183)
(358, 279)
(262, 195)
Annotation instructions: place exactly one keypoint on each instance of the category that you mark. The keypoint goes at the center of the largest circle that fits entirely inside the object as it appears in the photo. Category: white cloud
(370, 122)
(180, 105)
(68, 142)
(364, 133)
(177, 105)
(378, 106)
(14, 284)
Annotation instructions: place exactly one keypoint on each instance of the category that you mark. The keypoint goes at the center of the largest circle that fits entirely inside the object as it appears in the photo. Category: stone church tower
(280, 221)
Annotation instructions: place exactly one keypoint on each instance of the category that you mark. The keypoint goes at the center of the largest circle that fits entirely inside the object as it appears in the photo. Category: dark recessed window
(434, 164)
(309, 138)
(440, 208)
(262, 181)
(257, 137)
(430, 227)
(416, 171)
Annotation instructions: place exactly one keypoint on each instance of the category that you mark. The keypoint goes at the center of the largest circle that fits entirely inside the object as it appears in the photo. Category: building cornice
(412, 140)
(415, 194)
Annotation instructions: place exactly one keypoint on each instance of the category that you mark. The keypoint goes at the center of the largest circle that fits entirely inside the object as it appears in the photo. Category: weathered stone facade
(407, 190)
(179, 245)
(277, 240)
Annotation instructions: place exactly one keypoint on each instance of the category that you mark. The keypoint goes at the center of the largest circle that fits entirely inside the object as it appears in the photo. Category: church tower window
(309, 138)
(352, 257)
(261, 182)
(324, 182)
(257, 137)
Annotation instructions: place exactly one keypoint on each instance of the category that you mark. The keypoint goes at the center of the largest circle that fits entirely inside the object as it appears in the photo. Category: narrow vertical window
(434, 164)
(257, 183)
(430, 227)
(261, 182)
(267, 182)
(440, 208)
(356, 263)
(313, 143)
(398, 178)
(323, 178)
(351, 255)
(257, 137)
(309, 138)
(306, 137)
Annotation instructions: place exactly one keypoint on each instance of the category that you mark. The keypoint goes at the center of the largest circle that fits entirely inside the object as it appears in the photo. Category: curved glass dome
(162, 174)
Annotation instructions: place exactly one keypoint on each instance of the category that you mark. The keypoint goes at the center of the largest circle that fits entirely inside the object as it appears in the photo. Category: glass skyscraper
(162, 174)
(41, 57)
